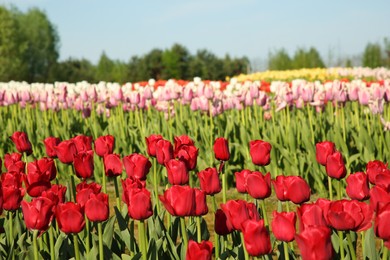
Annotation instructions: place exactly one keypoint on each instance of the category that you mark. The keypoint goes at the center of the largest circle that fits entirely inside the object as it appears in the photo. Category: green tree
(372, 56)
(42, 41)
(307, 59)
(73, 70)
(104, 69)
(153, 63)
(175, 62)
(279, 60)
(12, 48)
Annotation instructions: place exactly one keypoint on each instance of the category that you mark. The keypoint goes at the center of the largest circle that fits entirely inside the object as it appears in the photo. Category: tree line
(29, 51)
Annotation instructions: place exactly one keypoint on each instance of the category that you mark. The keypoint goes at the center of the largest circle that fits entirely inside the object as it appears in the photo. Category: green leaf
(108, 231)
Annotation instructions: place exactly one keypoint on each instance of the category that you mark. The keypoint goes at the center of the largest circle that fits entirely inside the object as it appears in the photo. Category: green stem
(76, 247)
(87, 247)
(132, 238)
(104, 178)
(73, 185)
(36, 253)
(51, 241)
(155, 184)
(340, 191)
(199, 228)
(330, 188)
(216, 236)
(264, 213)
(142, 239)
(184, 233)
(363, 233)
(341, 240)
(285, 248)
(351, 247)
(385, 253)
(118, 201)
(243, 246)
(101, 249)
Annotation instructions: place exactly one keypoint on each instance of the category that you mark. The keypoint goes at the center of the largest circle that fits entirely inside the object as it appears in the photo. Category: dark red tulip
(138, 202)
(96, 207)
(312, 215)
(137, 166)
(189, 155)
(12, 190)
(13, 163)
(199, 251)
(151, 144)
(258, 185)
(200, 203)
(83, 164)
(38, 213)
(70, 218)
(209, 181)
(373, 168)
(45, 166)
(238, 211)
(358, 186)
(182, 141)
(315, 243)
(177, 172)
(382, 223)
(49, 143)
(291, 188)
(349, 215)
(66, 150)
(260, 152)
(23, 145)
(256, 237)
(283, 225)
(83, 143)
(241, 180)
(222, 225)
(164, 151)
(131, 182)
(323, 150)
(335, 167)
(179, 200)
(84, 190)
(221, 149)
(112, 165)
(104, 145)
(378, 197)
(383, 180)
(56, 193)
(39, 175)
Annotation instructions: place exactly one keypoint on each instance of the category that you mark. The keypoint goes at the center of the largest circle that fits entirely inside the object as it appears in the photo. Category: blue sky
(239, 27)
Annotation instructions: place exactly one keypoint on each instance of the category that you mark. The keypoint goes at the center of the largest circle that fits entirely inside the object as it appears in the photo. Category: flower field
(269, 166)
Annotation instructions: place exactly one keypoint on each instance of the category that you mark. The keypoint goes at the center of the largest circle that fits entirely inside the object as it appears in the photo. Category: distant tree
(372, 56)
(119, 72)
(73, 70)
(42, 42)
(387, 52)
(137, 69)
(206, 65)
(153, 61)
(279, 60)
(307, 59)
(104, 69)
(12, 48)
(175, 62)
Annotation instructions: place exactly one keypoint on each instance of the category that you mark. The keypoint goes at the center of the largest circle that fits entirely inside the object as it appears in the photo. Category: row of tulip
(54, 214)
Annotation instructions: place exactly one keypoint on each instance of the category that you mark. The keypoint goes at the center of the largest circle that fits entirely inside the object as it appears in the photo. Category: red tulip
(177, 172)
(312, 215)
(84, 190)
(292, 188)
(221, 149)
(209, 181)
(39, 175)
(83, 164)
(256, 237)
(50, 142)
(96, 207)
(349, 215)
(315, 243)
(189, 155)
(200, 203)
(12, 190)
(373, 168)
(56, 194)
(323, 150)
(222, 225)
(383, 180)
(112, 165)
(13, 163)
(83, 143)
(382, 223)
(164, 151)
(199, 251)
(335, 167)
(138, 202)
(70, 218)
(104, 145)
(23, 145)
(260, 152)
(241, 180)
(136, 165)
(238, 211)
(131, 182)
(179, 200)
(151, 144)
(258, 185)
(182, 141)
(66, 150)
(378, 197)
(38, 213)
(358, 186)
(283, 225)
